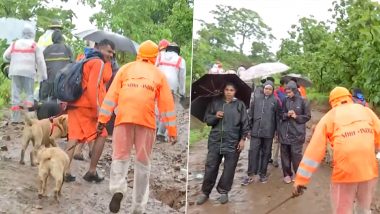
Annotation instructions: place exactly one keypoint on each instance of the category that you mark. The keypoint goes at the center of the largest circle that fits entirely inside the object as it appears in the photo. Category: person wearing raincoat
(132, 96)
(228, 118)
(281, 95)
(353, 132)
(173, 66)
(46, 39)
(25, 57)
(83, 113)
(292, 131)
(264, 115)
(57, 56)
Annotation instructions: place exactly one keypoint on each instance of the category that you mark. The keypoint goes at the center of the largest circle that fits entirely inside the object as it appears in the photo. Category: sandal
(115, 202)
(79, 157)
(92, 177)
(69, 178)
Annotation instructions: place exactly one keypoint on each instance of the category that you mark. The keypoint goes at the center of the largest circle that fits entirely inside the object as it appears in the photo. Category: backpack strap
(176, 65)
(98, 84)
(32, 48)
(179, 62)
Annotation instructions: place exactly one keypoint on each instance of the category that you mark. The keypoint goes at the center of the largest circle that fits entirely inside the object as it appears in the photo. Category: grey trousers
(19, 85)
(258, 156)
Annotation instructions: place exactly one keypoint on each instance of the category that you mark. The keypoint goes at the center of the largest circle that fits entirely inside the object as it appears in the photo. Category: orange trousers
(125, 137)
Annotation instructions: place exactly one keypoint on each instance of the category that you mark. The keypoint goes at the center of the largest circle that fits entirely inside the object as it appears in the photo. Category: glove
(100, 127)
(298, 190)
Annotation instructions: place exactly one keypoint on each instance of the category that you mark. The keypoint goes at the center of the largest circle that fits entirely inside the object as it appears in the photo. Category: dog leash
(96, 133)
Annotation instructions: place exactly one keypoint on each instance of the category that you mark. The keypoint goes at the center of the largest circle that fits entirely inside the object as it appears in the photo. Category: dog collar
(53, 125)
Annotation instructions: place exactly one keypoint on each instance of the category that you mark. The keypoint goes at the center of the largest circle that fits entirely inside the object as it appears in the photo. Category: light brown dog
(39, 131)
(53, 162)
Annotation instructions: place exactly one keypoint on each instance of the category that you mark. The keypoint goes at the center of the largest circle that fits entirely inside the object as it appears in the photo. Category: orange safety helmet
(148, 50)
(163, 44)
(338, 95)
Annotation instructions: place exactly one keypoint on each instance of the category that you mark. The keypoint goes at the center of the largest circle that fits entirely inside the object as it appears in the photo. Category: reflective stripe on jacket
(132, 96)
(354, 134)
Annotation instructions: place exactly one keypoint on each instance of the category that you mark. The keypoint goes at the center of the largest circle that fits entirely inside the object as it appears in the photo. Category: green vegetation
(198, 131)
(147, 19)
(224, 40)
(346, 54)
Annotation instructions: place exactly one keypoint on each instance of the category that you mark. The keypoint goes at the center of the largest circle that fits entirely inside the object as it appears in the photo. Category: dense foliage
(147, 19)
(224, 40)
(344, 51)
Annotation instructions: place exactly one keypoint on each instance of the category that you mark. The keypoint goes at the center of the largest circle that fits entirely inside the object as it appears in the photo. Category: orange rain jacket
(133, 93)
(354, 134)
(302, 91)
(91, 71)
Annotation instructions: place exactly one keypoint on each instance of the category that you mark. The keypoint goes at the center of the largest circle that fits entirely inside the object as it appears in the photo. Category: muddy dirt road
(18, 183)
(259, 198)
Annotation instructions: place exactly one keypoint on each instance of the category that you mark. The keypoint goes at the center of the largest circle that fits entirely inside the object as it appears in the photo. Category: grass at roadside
(198, 131)
(318, 97)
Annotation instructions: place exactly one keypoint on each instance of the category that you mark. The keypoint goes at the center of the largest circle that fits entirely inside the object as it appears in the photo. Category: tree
(218, 40)
(346, 55)
(260, 52)
(32, 10)
(242, 24)
(148, 20)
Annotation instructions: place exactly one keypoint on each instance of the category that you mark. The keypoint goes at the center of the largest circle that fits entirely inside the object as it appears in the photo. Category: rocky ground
(18, 183)
(260, 198)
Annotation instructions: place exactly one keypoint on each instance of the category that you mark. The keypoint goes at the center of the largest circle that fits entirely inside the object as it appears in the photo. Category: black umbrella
(301, 80)
(122, 43)
(199, 106)
(212, 84)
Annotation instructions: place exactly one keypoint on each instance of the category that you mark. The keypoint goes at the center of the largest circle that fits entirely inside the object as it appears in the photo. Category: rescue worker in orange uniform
(82, 113)
(132, 96)
(354, 134)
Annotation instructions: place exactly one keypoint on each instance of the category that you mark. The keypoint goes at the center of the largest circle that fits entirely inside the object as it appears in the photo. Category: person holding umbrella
(292, 131)
(354, 133)
(228, 118)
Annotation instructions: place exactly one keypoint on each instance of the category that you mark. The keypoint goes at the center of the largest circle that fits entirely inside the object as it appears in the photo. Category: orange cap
(338, 94)
(148, 49)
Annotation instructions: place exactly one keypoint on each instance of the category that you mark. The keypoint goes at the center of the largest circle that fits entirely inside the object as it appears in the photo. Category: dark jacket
(265, 111)
(227, 132)
(293, 131)
(57, 56)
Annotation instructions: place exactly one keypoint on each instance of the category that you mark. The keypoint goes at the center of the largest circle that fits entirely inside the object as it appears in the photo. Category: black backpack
(68, 83)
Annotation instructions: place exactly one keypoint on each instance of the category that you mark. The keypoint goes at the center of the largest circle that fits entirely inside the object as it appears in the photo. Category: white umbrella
(263, 69)
(230, 72)
(11, 28)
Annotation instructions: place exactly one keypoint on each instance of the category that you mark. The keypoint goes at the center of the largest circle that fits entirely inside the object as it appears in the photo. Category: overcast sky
(83, 13)
(277, 14)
